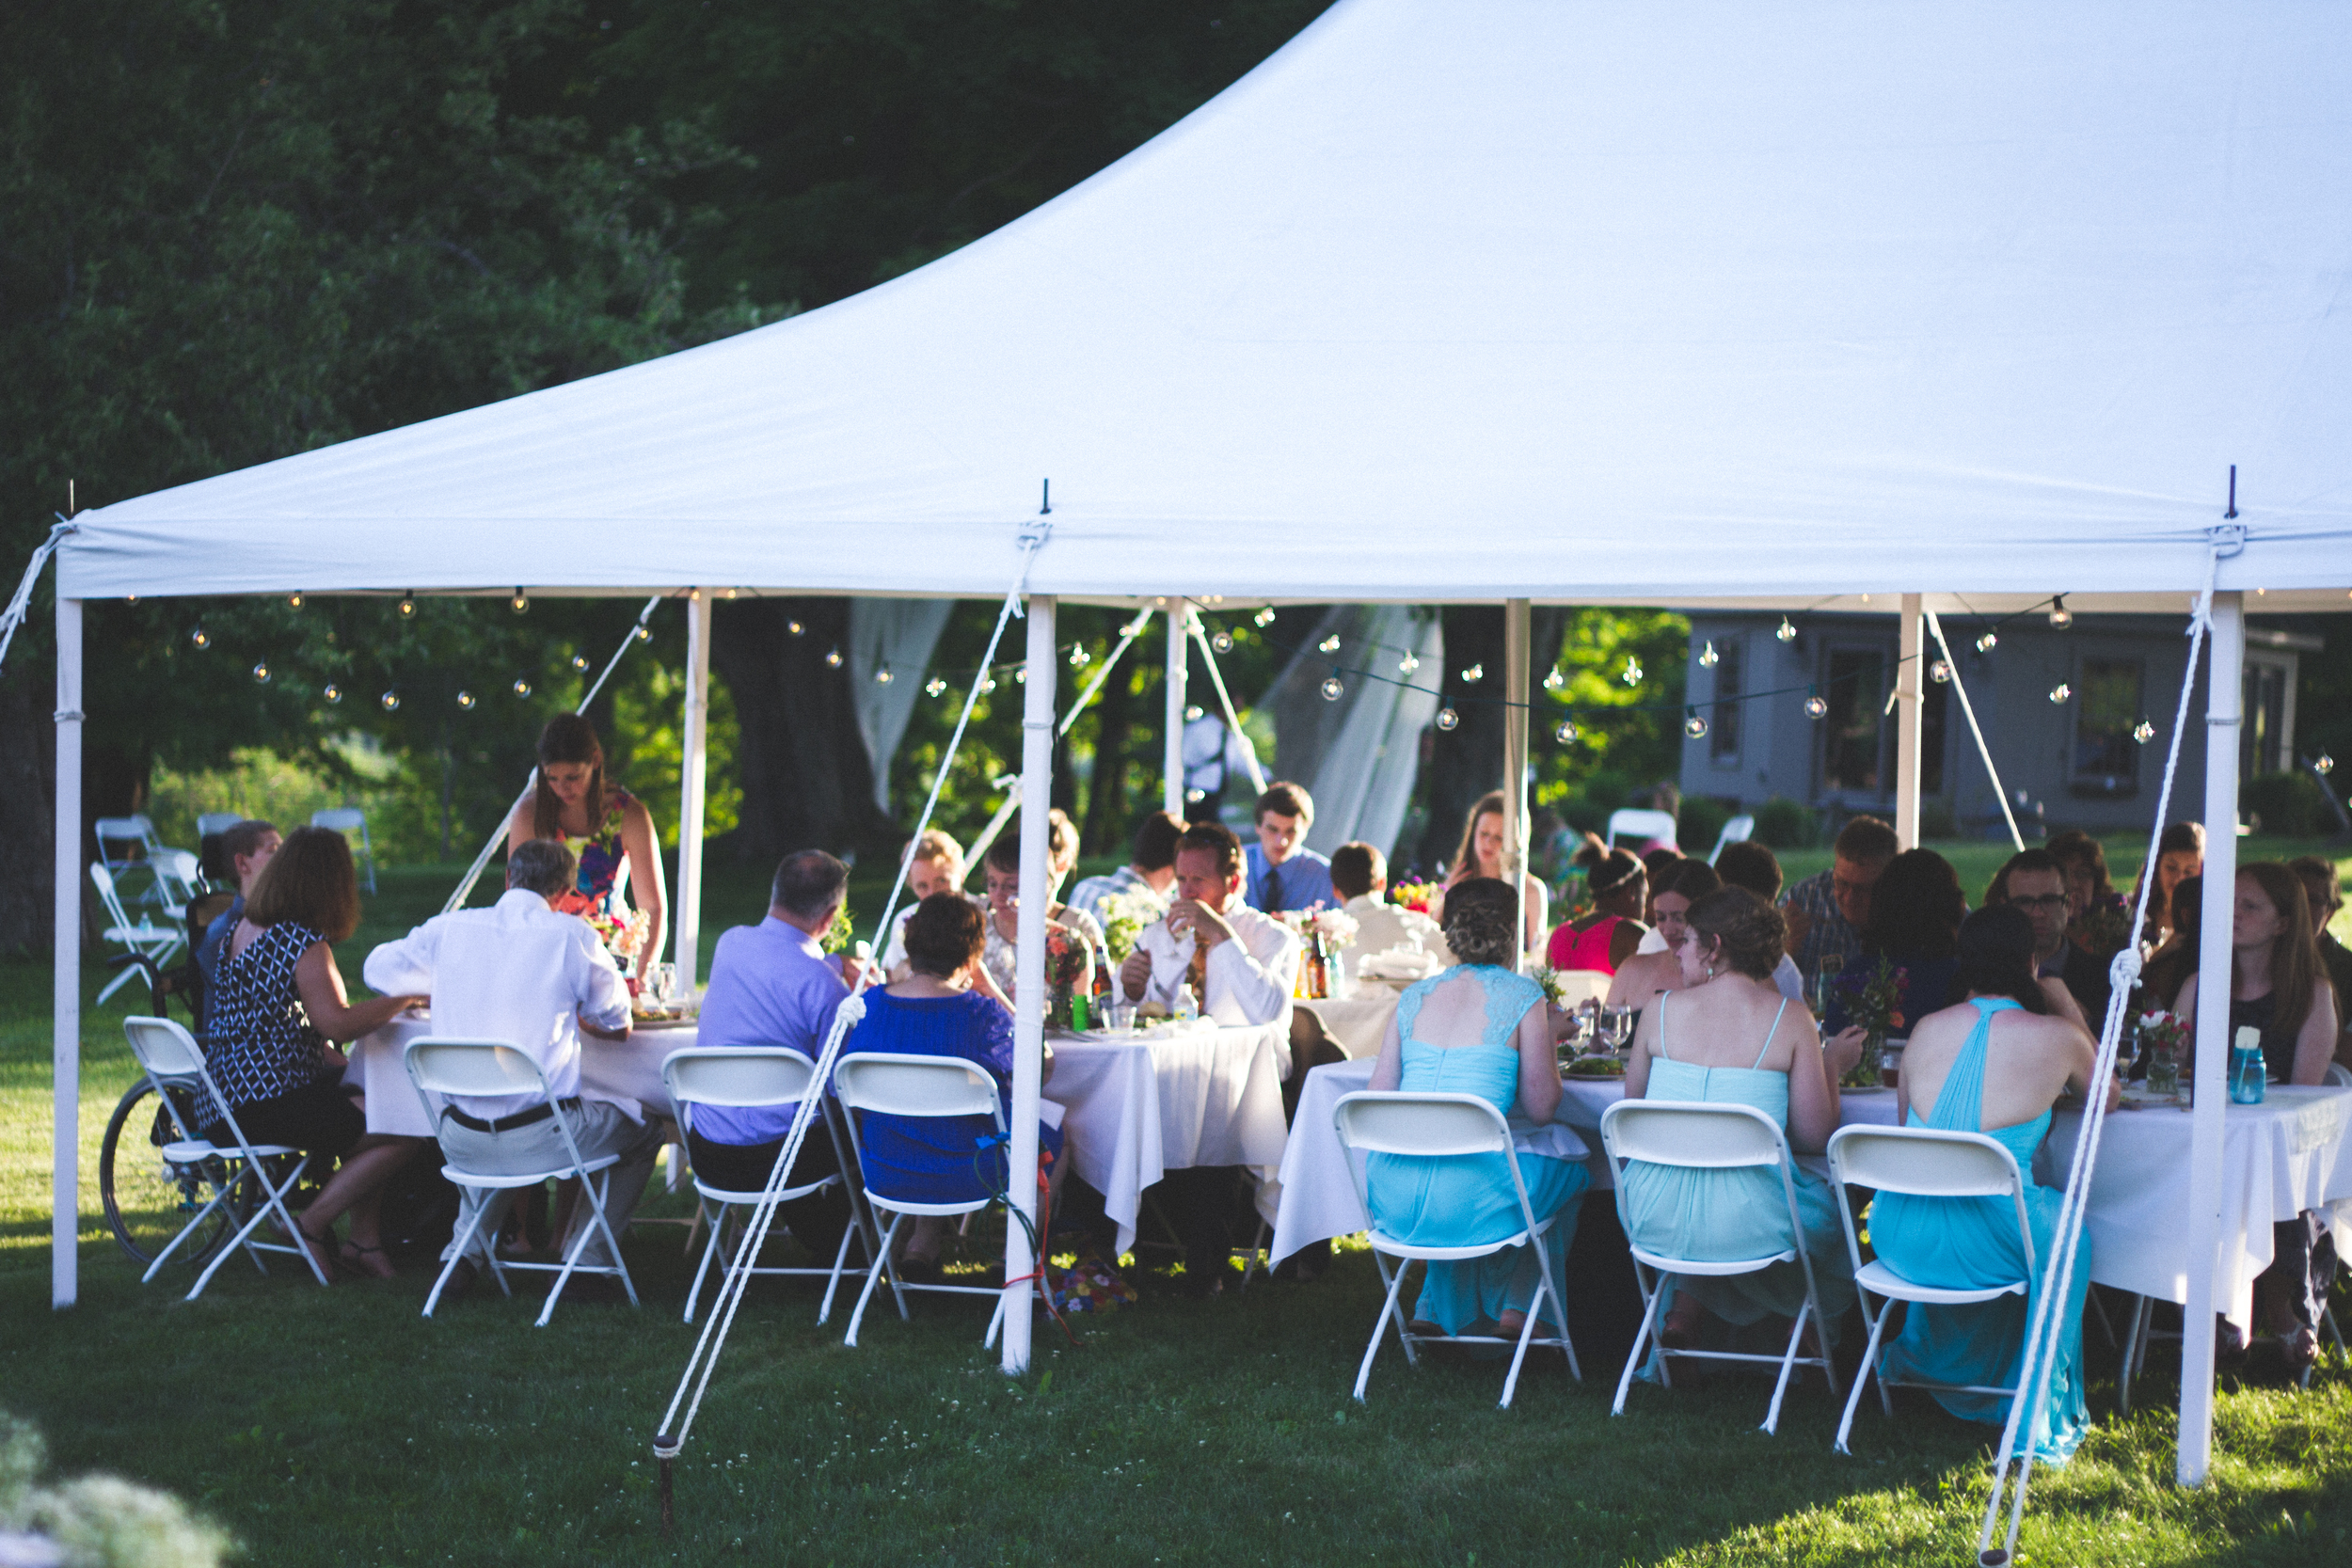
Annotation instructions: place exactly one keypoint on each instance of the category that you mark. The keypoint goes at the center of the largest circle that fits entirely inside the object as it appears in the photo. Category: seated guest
(1643, 976)
(1148, 877)
(1281, 872)
(1002, 924)
(1754, 866)
(1916, 912)
(1478, 1028)
(244, 849)
(935, 863)
(1480, 854)
(2175, 958)
(2318, 875)
(2085, 861)
(1726, 1036)
(1608, 936)
(1240, 965)
(1658, 860)
(277, 1002)
(773, 984)
(2276, 987)
(522, 973)
(1827, 911)
(1995, 1063)
(937, 1011)
(2034, 883)
(1359, 876)
(2180, 854)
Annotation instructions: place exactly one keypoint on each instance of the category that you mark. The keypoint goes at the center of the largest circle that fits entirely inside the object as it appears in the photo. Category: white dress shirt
(516, 972)
(1248, 980)
(1381, 926)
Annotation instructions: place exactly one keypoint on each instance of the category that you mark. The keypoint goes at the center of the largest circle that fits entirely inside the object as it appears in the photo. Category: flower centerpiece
(1124, 917)
(841, 934)
(1065, 970)
(1412, 895)
(623, 938)
(1873, 1004)
(2162, 1041)
(2104, 927)
(1337, 928)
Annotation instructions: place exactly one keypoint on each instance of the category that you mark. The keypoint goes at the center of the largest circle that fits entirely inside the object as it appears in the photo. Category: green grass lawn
(331, 1427)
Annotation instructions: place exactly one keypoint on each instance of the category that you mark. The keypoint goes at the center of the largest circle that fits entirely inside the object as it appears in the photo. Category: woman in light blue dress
(1477, 1028)
(1727, 1036)
(1995, 1063)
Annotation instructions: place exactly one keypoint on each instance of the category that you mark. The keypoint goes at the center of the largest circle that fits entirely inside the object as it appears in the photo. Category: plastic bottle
(2247, 1082)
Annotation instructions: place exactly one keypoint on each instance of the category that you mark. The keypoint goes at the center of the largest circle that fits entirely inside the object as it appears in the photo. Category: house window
(1854, 731)
(2264, 741)
(2107, 707)
(1935, 703)
(1730, 672)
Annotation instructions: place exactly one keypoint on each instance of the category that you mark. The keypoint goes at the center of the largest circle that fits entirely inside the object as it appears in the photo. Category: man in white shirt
(1149, 878)
(1360, 875)
(520, 973)
(1241, 965)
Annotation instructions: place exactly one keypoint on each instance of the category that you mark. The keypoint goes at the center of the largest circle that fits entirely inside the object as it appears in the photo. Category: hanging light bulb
(1448, 719)
(408, 604)
(1711, 657)
(201, 638)
(1695, 725)
(523, 686)
(988, 686)
(390, 700)
(1631, 674)
(1331, 644)
(332, 693)
(1263, 617)
(1787, 630)
(1940, 672)
(1333, 689)
(936, 686)
(261, 672)
(730, 593)
(1078, 655)
(2059, 692)
(2143, 732)
(1566, 733)
(1986, 643)
(1472, 675)
(521, 602)
(1192, 713)
(1021, 676)
(833, 658)
(882, 676)
(293, 600)
(130, 598)
(467, 700)
(795, 627)
(1196, 796)
(579, 663)
(1222, 642)
(2060, 617)
(1816, 707)
(645, 633)
(1554, 680)
(2323, 765)
(1410, 663)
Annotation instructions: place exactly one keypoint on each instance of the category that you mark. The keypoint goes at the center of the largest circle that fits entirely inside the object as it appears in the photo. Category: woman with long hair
(1612, 931)
(2180, 853)
(1480, 854)
(604, 826)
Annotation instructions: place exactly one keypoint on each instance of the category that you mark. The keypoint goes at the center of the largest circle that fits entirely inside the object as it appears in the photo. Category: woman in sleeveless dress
(1995, 1063)
(1729, 1036)
(1480, 854)
(1479, 1029)
(1613, 930)
(604, 826)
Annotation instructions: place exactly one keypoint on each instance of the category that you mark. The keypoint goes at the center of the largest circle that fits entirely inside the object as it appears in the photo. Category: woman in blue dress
(1477, 1028)
(1729, 1036)
(1995, 1063)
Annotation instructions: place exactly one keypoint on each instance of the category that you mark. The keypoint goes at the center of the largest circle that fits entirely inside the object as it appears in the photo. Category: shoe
(355, 1257)
(322, 1249)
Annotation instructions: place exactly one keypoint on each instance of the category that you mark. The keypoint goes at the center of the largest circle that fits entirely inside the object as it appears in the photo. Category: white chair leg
(1788, 1365)
(1396, 1282)
(1560, 1299)
(840, 1257)
(2135, 1348)
(1870, 1366)
(117, 984)
(1527, 1332)
(873, 1275)
(693, 1293)
(220, 1196)
(995, 1321)
(1641, 1336)
(273, 1202)
(471, 1210)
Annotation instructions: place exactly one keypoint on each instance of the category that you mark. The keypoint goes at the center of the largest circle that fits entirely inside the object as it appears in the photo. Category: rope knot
(853, 1010)
(2124, 973)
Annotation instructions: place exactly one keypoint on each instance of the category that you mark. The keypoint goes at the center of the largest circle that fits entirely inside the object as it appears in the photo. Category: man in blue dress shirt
(1281, 872)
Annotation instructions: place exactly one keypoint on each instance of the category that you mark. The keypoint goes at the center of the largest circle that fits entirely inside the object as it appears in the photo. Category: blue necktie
(1272, 898)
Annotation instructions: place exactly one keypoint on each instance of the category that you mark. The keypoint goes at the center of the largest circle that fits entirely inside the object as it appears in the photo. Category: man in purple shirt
(771, 984)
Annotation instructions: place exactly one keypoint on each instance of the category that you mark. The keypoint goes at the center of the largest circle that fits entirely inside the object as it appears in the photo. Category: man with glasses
(2035, 882)
(1826, 911)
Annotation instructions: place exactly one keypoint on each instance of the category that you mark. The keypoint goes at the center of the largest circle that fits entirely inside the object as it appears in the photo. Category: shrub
(2286, 805)
(1786, 824)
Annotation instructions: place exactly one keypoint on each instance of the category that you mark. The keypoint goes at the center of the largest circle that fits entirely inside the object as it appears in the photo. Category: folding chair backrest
(212, 822)
(108, 894)
(1679, 1133)
(913, 1086)
(740, 1075)
(163, 1048)
(1641, 824)
(1922, 1161)
(1428, 1125)
(122, 829)
(1579, 984)
(1735, 831)
(178, 869)
(344, 819)
(444, 1064)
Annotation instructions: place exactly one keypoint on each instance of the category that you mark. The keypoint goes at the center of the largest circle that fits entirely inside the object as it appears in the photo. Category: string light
(2323, 765)
(1940, 672)
(2060, 617)
(1986, 643)
(332, 693)
(988, 686)
(833, 658)
(1695, 725)
(579, 663)
(882, 676)
(293, 600)
(645, 633)
(2143, 732)
(1331, 644)
(1816, 706)
(521, 602)
(261, 672)
(936, 686)
(390, 700)
(1264, 618)
(1566, 733)
(1078, 655)
(1333, 689)
(1021, 676)
(1472, 675)
(1222, 642)
(1711, 657)
(408, 604)
(1448, 719)
(795, 627)
(1631, 674)
(467, 700)
(1196, 796)
(1410, 663)
(1192, 714)
(2059, 692)
(1555, 680)
(130, 598)
(730, 593)
(523, 686)
(1787, 630)
(201, 638)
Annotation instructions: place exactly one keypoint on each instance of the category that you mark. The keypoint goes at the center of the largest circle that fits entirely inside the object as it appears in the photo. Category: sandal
(322, 1249)
(355, 1257)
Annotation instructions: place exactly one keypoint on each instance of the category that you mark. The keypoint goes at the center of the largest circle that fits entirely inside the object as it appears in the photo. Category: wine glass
(1617, 1026)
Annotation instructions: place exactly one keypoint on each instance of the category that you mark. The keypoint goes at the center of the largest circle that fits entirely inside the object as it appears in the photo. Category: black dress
(2303, 1249)
(267, 1060)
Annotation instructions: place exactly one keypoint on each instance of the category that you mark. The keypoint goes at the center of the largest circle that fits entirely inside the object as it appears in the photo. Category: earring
(1710, 971)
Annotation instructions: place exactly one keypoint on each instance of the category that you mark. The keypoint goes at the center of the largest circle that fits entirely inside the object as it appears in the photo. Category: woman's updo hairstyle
(1482, 921)
(1996, 957)
(1752, 932)
(943, 934)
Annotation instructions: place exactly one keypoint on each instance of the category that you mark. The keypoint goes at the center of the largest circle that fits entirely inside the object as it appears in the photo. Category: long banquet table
(618, 1070)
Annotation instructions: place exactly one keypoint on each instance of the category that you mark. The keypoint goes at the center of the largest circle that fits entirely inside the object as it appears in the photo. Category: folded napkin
(1399, 963)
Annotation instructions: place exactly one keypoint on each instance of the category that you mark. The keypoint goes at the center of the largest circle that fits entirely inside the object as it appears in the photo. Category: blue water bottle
(2246, 1067)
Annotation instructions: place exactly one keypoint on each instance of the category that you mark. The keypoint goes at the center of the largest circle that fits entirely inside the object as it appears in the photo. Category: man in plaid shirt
(1827, 911)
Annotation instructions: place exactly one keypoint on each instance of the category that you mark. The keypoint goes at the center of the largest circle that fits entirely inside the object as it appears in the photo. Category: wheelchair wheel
(148, 1199)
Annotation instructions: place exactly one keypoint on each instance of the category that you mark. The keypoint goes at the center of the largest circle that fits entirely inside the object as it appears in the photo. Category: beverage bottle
(2246, 1084)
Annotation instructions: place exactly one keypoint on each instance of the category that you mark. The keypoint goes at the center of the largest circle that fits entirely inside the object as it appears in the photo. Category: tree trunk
(807, 783)
(1107, 818)
(1467, 762)
(28, 754)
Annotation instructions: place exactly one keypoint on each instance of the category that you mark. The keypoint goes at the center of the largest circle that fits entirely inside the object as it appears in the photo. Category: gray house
(2063, 708)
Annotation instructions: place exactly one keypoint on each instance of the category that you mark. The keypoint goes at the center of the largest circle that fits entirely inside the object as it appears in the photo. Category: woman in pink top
(1608, 936)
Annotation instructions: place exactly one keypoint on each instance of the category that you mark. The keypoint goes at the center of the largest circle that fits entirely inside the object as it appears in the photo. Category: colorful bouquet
(1412, 895)
(1124, 917)
(2164, 1040)
(2104, 927)
(1873, 1004)
(1337, 928)
(1065, 959)
(623, 938)
(840, 935)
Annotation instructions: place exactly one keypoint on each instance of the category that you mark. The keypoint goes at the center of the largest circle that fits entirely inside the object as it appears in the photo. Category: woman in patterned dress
(606, 827)
(277, 1013)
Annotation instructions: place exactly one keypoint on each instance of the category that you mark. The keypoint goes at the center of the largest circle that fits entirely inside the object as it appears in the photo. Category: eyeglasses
(2041, 901)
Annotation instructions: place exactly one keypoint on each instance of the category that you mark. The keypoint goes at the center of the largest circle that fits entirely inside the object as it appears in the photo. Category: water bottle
(2246, 1067)
(1188, 1007)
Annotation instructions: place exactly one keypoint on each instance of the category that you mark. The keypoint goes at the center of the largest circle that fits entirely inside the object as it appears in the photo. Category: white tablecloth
(1318, 1181)
(2279, 1159)
(1137, 1109)
(1357, 1024)
(618, 1070)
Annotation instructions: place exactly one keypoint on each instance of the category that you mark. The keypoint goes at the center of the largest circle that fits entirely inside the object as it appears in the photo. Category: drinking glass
(1617, 1026)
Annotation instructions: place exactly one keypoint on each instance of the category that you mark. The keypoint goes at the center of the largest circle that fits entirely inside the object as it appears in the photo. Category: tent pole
(1028, 974)
(1172, 742)
(2224, 701)
(686, 921)
(1907, 731)
(66, 994)
(1516, 638)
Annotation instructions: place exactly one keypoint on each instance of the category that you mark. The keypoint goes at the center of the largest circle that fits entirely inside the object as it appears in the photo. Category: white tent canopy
(1659, 303)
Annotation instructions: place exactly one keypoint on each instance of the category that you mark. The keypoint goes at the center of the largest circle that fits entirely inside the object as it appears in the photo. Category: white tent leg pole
(1907, 732)
(1028, 975)
(2223, 700)
(1516, 639)
(66, 995)
(686, 920)
(1172, 745)
(1959, 689)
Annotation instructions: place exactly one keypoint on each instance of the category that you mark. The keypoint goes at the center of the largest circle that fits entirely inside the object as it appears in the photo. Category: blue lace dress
(1462, 1202)
(1720, 1215)
(1964, 1242)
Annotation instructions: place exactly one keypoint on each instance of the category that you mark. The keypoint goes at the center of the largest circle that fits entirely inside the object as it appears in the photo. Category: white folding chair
(346, 820)
(1709, 1137)
(1581, 985)
(1641, 824)
(755, 1075)
(1924, 1163)
(1445, 1127)
(178, 873)
(127, 844)
(171, 1059)
(915, 1086)
(446, 1066)
(145, 940)
(1735, 831)
(211, 822)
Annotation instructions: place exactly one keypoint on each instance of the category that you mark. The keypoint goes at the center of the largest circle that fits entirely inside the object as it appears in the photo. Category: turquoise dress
(1462, 1202)
(1964, 1242)
(1719, 1215)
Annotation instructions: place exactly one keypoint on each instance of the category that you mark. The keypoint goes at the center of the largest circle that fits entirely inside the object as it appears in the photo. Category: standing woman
(1610, 934)
(1480, 854)
(278, 1011)
(603, 825)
